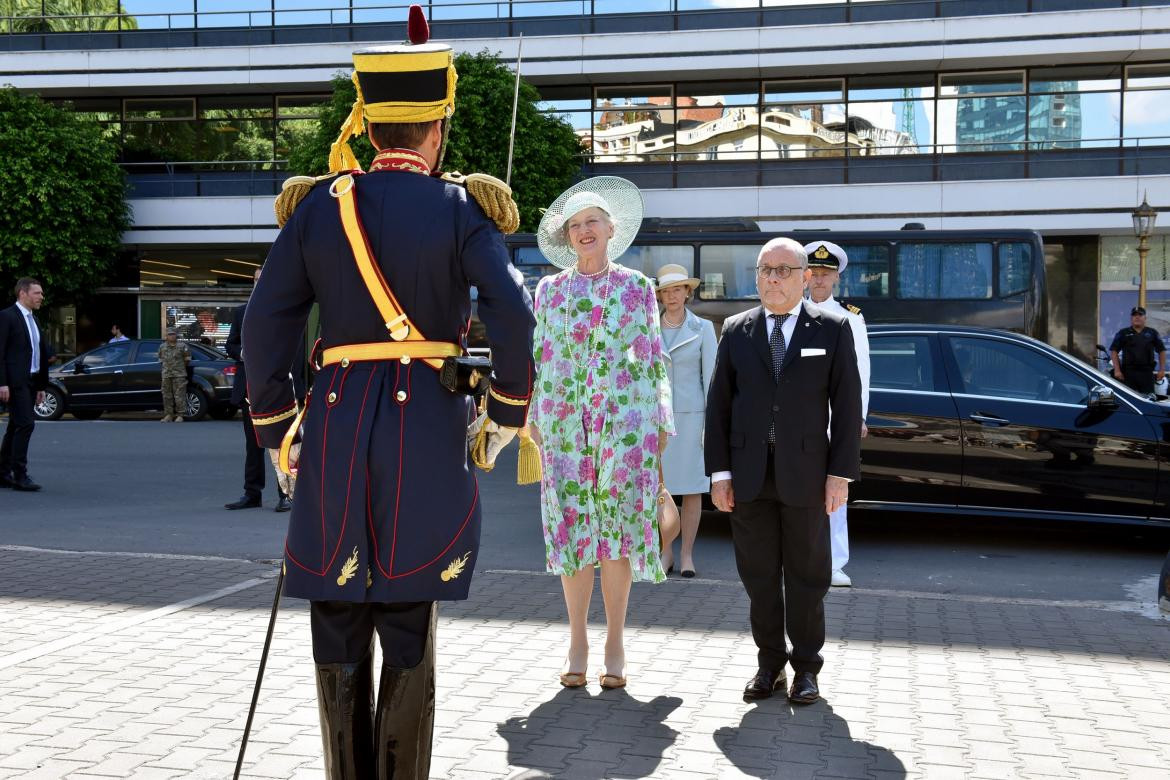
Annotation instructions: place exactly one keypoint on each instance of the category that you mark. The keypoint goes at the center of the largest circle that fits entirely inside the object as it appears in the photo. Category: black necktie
(776, 342)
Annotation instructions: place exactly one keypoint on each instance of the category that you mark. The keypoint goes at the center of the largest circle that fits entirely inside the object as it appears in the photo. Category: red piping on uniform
(324, 457)
(466, 520)
(369, 507)
(257, 415)
(398, 495)
(498, 391)
(349, 481)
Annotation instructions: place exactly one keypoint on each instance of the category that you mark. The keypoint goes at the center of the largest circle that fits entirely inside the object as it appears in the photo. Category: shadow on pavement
(775, 739)
(590, 737)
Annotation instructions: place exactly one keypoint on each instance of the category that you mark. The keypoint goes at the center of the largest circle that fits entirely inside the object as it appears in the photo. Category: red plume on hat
(417, 29)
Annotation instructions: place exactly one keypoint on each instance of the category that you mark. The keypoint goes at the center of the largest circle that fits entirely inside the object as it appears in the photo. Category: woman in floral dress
(601, 411)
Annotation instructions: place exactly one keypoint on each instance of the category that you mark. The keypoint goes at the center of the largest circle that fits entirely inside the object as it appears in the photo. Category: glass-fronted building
(793, 114)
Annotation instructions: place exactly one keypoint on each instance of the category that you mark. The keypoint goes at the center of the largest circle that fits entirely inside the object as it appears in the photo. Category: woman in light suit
(689, 345)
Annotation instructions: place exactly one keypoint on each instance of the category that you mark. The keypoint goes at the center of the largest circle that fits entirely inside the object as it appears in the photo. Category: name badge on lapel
(811, 352)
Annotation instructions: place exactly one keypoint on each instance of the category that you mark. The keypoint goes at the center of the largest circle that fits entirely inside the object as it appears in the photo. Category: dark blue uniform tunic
(387, 506)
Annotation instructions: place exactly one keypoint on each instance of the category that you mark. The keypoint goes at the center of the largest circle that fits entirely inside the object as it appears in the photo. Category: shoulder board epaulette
(293, 191)
(852, 309)
(492, 195)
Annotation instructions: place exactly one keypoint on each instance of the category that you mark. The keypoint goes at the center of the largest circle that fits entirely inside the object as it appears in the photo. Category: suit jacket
(690, 363)
(234, 346)
(387, 506)
(16, 350)
(819, 375)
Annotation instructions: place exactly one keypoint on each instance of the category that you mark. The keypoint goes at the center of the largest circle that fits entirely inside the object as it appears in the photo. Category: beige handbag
(668, 519)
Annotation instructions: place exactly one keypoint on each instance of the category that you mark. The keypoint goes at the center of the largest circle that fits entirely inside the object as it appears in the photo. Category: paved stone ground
(141, 666)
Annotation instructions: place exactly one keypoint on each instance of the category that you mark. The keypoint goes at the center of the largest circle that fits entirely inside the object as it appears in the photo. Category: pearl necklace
(670, 324)
(608, 288)
(593, 275)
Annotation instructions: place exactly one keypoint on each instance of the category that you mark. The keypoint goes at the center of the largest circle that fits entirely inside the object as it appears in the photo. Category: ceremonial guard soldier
(826, 261)
(387, 516)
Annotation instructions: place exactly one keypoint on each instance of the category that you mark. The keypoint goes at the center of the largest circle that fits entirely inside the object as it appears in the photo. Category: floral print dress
(600, 401)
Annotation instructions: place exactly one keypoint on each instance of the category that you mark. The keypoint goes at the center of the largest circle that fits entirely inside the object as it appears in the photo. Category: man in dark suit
(782, 443)
(386, 519)
(254, 455)
(24, 374)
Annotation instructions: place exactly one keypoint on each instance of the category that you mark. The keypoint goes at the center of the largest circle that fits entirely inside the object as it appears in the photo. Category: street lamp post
(1144, 217)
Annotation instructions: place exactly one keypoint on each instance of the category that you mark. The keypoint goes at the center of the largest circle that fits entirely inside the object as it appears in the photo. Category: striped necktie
(776, 342)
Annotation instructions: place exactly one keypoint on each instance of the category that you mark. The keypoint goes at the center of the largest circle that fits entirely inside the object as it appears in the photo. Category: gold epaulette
(852, 309)
(293, 191)
(492, 195)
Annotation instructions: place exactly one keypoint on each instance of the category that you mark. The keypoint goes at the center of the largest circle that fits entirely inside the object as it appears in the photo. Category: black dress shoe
(244, 502)
(764, 684)
(25, 484)
(804, 689)
(6, 481)
(283, 504)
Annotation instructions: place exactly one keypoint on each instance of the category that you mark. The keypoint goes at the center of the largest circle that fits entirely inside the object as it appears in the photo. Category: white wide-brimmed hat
(673, 275)
(617, 197)
(826, 254)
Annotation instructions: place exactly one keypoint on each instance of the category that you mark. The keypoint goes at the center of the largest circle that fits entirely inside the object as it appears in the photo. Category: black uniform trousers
(1140, 379)
(255, 458)
(785, 561)
(21, 420)
(342, 631)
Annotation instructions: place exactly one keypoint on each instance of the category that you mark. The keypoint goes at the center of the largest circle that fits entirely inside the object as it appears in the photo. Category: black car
(985, 422)
(127, 376)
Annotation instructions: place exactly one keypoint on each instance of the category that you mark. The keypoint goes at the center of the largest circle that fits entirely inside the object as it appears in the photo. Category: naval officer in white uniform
(826, 261)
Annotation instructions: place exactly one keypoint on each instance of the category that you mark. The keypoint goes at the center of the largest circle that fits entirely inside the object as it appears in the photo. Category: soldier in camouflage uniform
(174, 358)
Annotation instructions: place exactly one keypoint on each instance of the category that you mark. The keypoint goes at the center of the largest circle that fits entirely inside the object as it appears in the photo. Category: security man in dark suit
(24, 375)
(254, 456)
(1138, 345)
(781, 463)
(386, 519)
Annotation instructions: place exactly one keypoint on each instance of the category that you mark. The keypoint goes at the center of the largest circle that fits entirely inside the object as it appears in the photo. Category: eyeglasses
(779, 271)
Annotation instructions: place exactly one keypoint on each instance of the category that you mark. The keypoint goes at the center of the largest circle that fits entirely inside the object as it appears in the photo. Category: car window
(900, 363)
(147, 352)
(110, 355)
(1002, 369)
(200, 352)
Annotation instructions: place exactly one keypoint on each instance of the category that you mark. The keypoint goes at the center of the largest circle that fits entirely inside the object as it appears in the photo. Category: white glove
(485, 439)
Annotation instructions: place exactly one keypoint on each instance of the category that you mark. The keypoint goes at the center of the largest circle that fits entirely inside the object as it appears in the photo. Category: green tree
(42, 16)
(547, 152)
(64, 196)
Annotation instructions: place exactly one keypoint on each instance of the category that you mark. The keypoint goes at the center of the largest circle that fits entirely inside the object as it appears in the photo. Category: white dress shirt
(34, 337)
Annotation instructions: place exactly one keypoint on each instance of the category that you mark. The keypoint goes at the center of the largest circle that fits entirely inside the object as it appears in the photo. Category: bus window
(648, 259)
(941, 271)
(1015, 268)
(728, 271)
(868, 273)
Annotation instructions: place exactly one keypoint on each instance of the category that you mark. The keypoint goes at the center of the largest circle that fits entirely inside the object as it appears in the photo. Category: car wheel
(223, 411)
(52, 407)
(196, 405)
(87, 414)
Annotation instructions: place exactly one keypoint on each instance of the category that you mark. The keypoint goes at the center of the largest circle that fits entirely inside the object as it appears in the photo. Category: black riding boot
(406, 716)
(345, 698)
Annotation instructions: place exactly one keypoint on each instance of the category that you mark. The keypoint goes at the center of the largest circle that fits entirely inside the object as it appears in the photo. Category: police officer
(387, 516)
(1138, 345)
(826, 261)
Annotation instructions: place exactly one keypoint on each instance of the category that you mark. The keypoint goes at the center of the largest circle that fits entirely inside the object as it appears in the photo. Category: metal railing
(931, 163)
(502, 18)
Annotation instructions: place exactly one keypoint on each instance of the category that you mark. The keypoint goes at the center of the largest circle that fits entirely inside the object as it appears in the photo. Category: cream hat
(617, 197)
(672, 275)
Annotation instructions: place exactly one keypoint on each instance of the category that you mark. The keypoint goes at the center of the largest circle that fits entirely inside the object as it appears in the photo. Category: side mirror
(1101, 397)
(79, 367)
